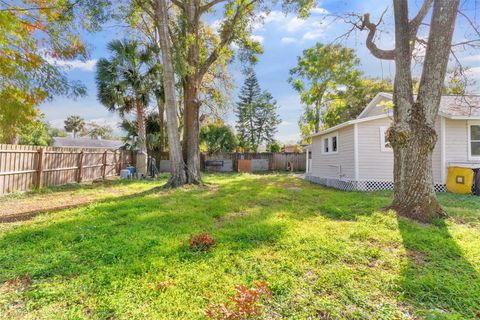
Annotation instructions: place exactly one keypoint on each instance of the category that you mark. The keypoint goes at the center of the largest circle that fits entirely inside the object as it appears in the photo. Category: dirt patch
(296, 189)
(25, 208)
(17, 284)
(419, 258)
(213, 188)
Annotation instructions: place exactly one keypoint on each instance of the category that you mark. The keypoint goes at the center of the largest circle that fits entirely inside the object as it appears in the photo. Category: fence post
(120, 162)
(41, 155)
(80, 167)
(104, 164)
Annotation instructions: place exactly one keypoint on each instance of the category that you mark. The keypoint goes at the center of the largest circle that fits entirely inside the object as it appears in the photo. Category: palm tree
(124, 86)
(74, 123)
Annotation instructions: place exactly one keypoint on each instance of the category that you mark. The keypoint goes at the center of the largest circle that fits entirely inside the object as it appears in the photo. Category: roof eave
(452, 117)
(345, 124)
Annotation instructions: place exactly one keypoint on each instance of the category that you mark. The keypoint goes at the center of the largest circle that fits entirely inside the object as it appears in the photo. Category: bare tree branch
(209, 5)
(416, 22)
(475, 27)
(370, 42)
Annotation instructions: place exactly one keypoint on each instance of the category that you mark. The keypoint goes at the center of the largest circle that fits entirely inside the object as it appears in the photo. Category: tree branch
(372, 29)
(226, 38)
(179, 4)
(416, 22)
(147, 10)
(209, 5)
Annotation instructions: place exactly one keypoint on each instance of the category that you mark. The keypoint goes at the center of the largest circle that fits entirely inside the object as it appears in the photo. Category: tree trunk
(141, 162)
(14, 139)
(192, 131)
(161, 125)
(317, 114)
(177, 166)
(414, 193)
(191, 91)
(413, 136)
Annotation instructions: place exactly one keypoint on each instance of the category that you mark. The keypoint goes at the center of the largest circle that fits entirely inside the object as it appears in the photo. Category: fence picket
(25, 167)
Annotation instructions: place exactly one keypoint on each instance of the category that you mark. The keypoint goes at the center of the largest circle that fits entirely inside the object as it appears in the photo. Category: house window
(384, 144)
(334, 144)
(474, 140)
(330, 143)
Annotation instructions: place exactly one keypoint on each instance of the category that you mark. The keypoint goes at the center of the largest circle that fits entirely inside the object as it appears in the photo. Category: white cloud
(473, 72)
(288, 40)
(286, 123)
(295, 24)
(88, 65)
(473, 58)
(319, 10)
(312, 35)
(275, 16)
(311, 28)
(216, 24)
(257, 38)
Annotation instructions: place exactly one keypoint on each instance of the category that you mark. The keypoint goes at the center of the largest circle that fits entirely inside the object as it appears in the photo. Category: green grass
(324, 253)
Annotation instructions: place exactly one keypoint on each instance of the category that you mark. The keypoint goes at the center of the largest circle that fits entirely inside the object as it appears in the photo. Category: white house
(355, 156)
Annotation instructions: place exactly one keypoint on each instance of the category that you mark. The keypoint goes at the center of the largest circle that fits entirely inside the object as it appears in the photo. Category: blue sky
(284, 37)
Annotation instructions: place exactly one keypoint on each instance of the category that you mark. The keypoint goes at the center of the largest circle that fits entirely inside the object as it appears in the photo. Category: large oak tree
(412, 134)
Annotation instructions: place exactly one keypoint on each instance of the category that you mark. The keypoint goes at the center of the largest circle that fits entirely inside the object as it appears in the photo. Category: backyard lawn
(325, 254)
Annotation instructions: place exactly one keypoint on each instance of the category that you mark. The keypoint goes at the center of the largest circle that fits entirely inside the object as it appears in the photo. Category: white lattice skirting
(364, 185)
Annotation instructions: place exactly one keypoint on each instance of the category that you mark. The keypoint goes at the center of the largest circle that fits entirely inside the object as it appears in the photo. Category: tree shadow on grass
(437, 277)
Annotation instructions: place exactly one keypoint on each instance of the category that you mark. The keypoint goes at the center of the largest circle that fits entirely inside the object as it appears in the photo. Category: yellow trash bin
(460, 180)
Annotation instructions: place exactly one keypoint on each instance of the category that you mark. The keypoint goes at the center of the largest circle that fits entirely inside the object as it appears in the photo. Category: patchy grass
(324, 253)
(24, 206)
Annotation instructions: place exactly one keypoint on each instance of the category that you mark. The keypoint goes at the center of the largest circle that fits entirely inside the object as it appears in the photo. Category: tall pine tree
(249, 94)
(266, 119)
(257, 114)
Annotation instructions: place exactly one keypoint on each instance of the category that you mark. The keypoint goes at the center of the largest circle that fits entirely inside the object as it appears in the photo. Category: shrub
(246, 304)
(201, 242)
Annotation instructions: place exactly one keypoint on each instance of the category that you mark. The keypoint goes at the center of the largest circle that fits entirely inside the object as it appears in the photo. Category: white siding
(377, 165)
(336, 165)
(373, 163)
(457, 142)
(437, 155)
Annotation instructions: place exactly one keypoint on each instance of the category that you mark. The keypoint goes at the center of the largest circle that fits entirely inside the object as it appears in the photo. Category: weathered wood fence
(23, 168)
(277, 161)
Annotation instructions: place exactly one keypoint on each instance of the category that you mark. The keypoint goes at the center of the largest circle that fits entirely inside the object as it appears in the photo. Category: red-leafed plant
(246, 304)
(201, 242)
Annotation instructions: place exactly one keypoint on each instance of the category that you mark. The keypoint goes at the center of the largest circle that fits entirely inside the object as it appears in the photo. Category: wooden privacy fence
(276, 161)
(23, 168)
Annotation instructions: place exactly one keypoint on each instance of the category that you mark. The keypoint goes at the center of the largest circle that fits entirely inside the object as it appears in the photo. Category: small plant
(246, 304)
(201, 242)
